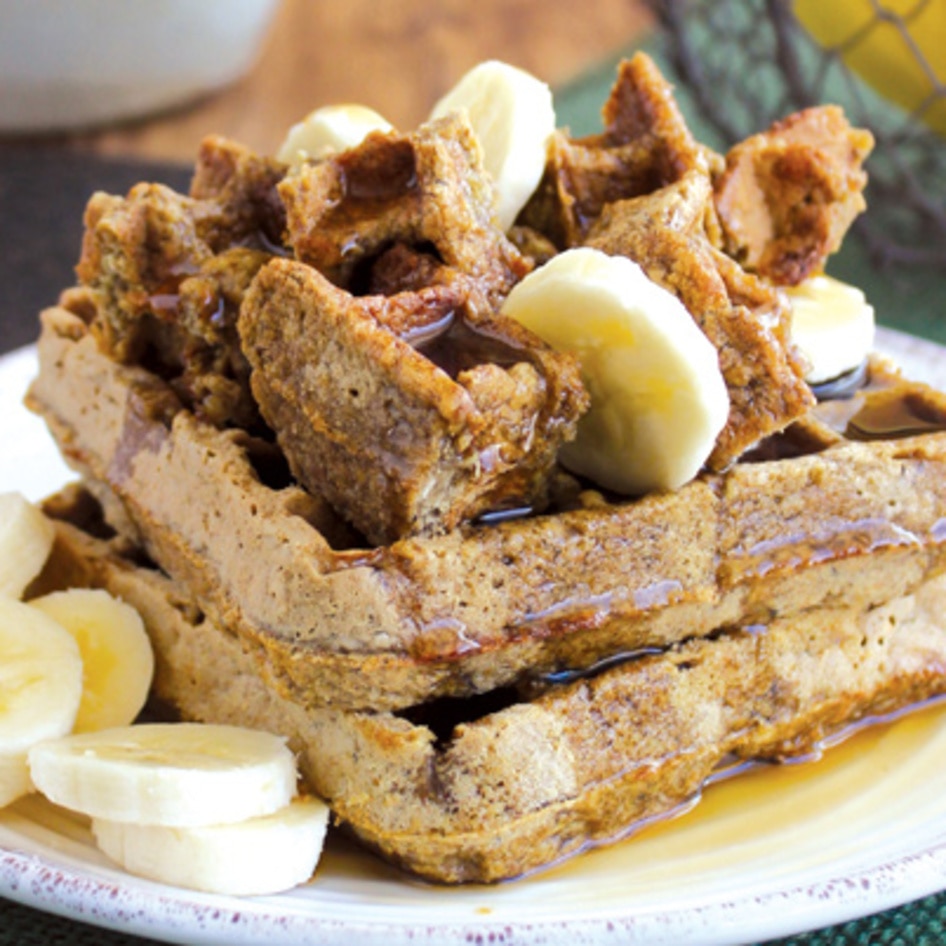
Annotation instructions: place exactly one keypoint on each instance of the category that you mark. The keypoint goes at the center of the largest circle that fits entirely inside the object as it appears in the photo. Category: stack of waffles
(324, 462)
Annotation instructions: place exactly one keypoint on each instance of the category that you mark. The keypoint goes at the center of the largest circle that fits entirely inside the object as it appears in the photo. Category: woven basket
(745, 63)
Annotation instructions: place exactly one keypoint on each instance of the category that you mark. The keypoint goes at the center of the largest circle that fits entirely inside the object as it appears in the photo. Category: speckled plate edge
(119, 902)
(47, 859)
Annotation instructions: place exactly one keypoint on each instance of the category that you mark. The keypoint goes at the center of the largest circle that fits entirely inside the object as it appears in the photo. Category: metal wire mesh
(746, 63)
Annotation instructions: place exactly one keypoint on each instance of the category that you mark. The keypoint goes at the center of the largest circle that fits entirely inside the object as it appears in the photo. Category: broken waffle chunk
(427, 189)
(645, 145)
(241, 185)
(745, 319)
(789, 194)
(405, 413)
(167, 273)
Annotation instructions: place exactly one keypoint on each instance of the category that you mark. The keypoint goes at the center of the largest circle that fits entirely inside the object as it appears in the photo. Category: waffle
(477, 608)
(490, 789)
(485, 663)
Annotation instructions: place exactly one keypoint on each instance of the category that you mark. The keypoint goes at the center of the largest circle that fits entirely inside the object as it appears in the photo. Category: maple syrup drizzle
(424, 333)
(891, 418)
(371, 183)
(459, 346)
(568, 675)
(495, 516)
(737, 785)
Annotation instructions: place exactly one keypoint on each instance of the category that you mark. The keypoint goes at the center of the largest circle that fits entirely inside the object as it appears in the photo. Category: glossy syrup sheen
(892, 417)
(762, 810)
(458, 346)
(770, 817)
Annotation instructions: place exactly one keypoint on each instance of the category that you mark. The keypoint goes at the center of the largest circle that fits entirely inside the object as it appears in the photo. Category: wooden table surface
(397, 57)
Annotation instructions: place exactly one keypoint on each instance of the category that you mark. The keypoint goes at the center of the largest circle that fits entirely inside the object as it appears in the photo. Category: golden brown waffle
(356, 626)
(482, 790)
(480, 689)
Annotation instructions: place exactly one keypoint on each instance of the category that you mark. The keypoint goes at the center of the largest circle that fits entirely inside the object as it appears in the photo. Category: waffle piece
(788, 195)
(395, 390)
(645, 189)
(483, 791)
(645, 145)
(167, 273)
(409, 412)
(426, 189)
(333, 621)
(745, 318)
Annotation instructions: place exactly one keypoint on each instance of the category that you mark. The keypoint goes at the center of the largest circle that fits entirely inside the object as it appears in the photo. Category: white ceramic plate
(769, 854)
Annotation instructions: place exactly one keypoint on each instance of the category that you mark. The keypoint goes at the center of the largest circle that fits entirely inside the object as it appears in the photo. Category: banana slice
(832, 324)
(15, 781)
(513, 116)
(175, 774)
(26, 537)
(40, 677)
(658, 399)
(259, 856)
(329, 129)
(117, 659)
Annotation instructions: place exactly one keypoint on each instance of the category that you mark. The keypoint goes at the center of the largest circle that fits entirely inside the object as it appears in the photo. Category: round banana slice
(117, 659)
(15, 781)
(40, 677)
(175, 774)
(658, 399)
(512, 113)
(26, 537)
(328, 130)
(832, 325)
(258, 856)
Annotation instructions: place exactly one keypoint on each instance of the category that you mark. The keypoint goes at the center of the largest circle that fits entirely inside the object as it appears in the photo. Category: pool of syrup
(746, 816)
(763, 802)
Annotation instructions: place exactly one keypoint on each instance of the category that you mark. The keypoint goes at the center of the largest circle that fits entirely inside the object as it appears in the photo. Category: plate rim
(49, 882)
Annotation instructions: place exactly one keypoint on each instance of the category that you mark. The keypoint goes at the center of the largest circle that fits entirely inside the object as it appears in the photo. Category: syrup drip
(260, 240)
(495, 516)
(568, 675)
(735, 803)
(838, 541)
(457, 346)
(894, 417)
(164, 303)
(420, 335)
(364, 179)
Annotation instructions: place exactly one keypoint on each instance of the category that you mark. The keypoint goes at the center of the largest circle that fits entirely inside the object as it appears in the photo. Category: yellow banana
(117, 660)
(832, 324)
(258, 856)
(512, 114)
(658, 399)
(327, 130)
(173, 774)
(40, 688)
(26, 537)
